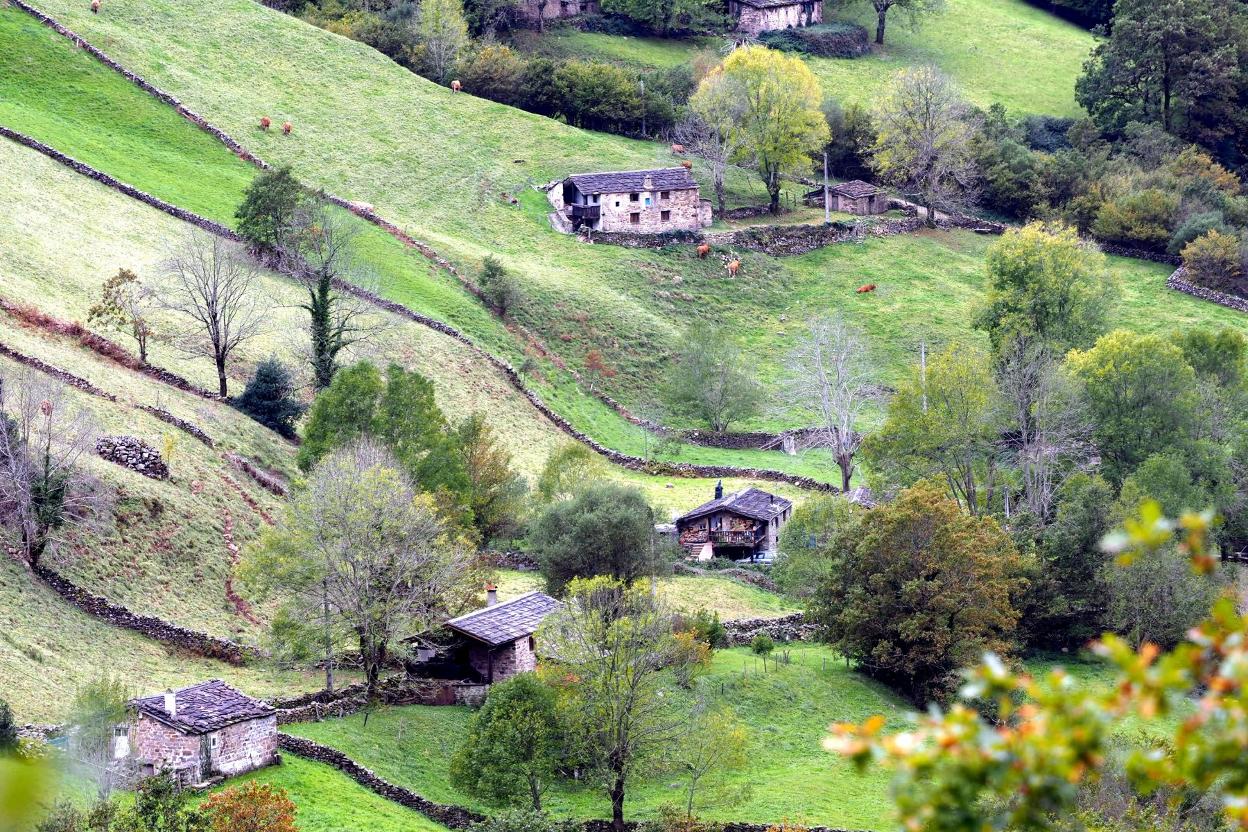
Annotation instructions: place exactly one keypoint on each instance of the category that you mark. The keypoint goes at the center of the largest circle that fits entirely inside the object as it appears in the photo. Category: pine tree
(270, 398)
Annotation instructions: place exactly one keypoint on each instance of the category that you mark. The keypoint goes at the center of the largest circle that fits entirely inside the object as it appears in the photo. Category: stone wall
(244, 746)
(158, 629)
(1178, 281)
(267, 480)
(753, 21)
(789, 628)
(154, 742)
(393, 690)
(508, 659)
(132, 453)
(683, 208)
(182, 424)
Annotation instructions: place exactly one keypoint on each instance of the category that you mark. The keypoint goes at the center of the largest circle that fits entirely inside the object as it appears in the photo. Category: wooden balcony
(585, 213)
(722, 537)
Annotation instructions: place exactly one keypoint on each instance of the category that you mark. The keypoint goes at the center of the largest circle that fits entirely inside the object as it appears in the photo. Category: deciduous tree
(709, 131)
(267, 215)
(496, 491)
(710, 382)
(443, 34)
(715, 743)
(570, 468)
(126, 305)
(914, 9)
(606, 529)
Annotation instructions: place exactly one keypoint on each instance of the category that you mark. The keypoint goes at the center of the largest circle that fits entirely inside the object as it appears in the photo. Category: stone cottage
(741, 526)
(853, 197)
(498, 640)
(755, 16)
(648, 201)
(199, 734)
(537, 12)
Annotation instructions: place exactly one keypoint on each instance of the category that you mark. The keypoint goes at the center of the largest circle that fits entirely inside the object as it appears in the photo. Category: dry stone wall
(1178, 281)
(135, 454)
(793, 627)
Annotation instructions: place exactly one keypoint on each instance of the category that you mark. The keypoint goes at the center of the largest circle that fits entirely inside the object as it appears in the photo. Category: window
(617, 203)
(634, 219)
(634, 197)
(665, 194)
(532, 643)
(665, 216)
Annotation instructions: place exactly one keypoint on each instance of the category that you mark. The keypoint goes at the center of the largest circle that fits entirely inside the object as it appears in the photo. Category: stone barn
(755, 16)
(537, 12)
(648, 201)
(741, 526)
(199, 734)
(853, 197)
(498, 640)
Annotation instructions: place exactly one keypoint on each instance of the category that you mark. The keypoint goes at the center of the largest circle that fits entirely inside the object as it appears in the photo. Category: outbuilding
(741, 526)
(756, 16)
(648, 201)
(499, 640)
(852, 197)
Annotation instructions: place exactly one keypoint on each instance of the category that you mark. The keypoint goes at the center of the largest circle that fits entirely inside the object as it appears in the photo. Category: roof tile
(506, 621)
(204, 707)
(627, 181)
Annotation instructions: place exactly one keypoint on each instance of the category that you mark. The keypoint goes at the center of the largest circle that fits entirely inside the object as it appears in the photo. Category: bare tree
(709, 139)
(44, 487)
(1051, 421)
(913, 8)
(321, 258)
(830, 380)
(362, 548)
(212, 283)
(923, 142)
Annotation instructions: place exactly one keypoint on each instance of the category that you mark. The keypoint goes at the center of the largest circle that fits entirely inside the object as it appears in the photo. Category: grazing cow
(704, 250)
(95, 6)
(287, 127)
(265, 122)
(687, 165)
(456, 86)
(733, 267)
(678, 149)
(868, 287)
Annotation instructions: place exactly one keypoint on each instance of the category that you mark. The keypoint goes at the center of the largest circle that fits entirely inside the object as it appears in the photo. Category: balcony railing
(586, 212)
(728, 538)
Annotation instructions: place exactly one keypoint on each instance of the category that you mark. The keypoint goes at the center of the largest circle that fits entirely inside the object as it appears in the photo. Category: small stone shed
(647, 201)
(536, 12)
(755, 16)
(741, 526)
(852, 197)
(199, 734)
(498, 641)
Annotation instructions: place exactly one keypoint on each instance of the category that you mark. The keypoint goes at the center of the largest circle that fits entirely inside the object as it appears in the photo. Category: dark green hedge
(836, 39)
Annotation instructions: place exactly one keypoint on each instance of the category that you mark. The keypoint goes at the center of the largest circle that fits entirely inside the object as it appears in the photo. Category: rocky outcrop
(133, 453)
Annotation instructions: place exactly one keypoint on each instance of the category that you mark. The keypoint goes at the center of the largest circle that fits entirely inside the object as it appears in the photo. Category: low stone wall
(134, 454)
(1139, 253)
(63, 376)
(641, 239)
(393, 690)
(158, 629)
(453, 817)
(167, 417)
(1178, 282)
(268, 481)
(789, 628)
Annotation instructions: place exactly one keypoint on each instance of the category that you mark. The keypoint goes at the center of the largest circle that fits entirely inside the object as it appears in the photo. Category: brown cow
(265, 122)
(686, 164)
(704, 250)
(456, 86)
(868, 287)
(95, 6)
(287, 127)
(733, 267)
(678, 149)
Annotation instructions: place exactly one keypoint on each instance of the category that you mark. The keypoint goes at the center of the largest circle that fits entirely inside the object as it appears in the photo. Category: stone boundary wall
(1139, 253)
(792, 627)
(64, 376)
(167, 417)
(266, 480)
(453, 817)
(1178, 282)
(158, 629)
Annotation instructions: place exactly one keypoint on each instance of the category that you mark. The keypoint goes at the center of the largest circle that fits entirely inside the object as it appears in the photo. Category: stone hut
(853, 197)
(647, 201)
(755, 16)
(498, 640)
(199, 734)
(741, 526)
(537, 12)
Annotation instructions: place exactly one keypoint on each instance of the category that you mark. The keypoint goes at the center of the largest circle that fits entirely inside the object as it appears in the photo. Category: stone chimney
(491, 595)
(171, 703)
(647, 184)
(719, 490)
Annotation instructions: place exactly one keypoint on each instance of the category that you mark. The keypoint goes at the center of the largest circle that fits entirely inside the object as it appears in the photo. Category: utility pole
(643, 108)
(923, 370)
(827, 210)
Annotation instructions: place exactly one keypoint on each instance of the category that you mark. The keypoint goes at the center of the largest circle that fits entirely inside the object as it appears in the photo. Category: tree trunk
(222, 383)
(773, 191)
(719, 189)
(323, 352)
(617, 803)
(880, 16)
(846, 463)
(535, 791)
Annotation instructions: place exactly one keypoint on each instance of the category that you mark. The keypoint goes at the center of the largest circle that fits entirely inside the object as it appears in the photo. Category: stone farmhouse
(755, 16)
(537, 12)
(498, 640)
(647, 201)
(198, 734)
(741, 526)
(853, 197)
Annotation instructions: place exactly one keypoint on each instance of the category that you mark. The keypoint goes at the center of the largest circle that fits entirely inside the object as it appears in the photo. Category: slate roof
(855, 188)
(204, 707)
(752, 502)
(506, 621)
(628, 181)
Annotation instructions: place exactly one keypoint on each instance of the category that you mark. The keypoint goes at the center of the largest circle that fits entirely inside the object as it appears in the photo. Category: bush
(495, 72)
(1213, 261)
(706, 627)
(836, 39)
(524, 820)
(762, 645)
(603, 530)
(1047, 133)
(1139, 219)
(270, 398)
(8, 729)
(251, 807)
(1195, 226)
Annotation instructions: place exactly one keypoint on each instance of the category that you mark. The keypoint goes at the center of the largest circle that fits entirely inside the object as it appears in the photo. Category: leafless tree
(213, 283)
(321, 257)
(923, 144)
(1051, 423)
(830, 380)
(45, 489)
(709, 140)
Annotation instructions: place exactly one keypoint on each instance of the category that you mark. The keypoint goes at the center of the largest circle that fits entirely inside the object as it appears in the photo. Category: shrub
(498, 288)
(8, 729)
(495, 72)
(762, 645)
(1138, 219)
(270, 398)
(1047, 133)
(1195, 226)
(603, 530)
(705, 624)
(835, 39)
(524, 820)
(251, 807)
(1212, 260)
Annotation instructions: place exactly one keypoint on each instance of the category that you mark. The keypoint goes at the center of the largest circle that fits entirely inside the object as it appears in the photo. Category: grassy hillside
(998, 51)
(789, 774)
(730, 598)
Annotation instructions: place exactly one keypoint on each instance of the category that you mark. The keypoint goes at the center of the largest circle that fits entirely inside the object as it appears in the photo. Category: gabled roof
(627, 181)
(752, 502)
(855, 188)
(204, 707)
(506, 621)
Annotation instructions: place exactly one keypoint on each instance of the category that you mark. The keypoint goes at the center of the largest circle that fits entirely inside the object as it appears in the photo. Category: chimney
(719, 490)
(171, 703)
(647, 184)
(491, 595)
